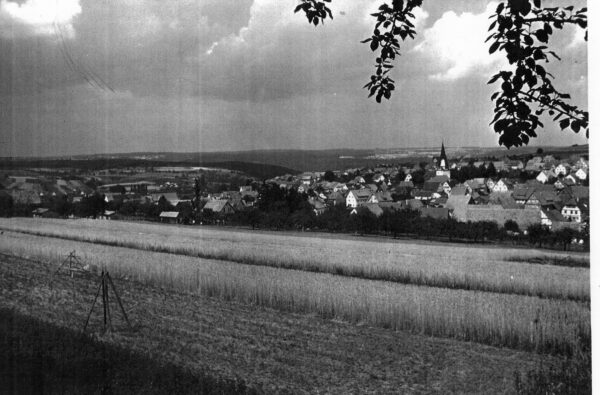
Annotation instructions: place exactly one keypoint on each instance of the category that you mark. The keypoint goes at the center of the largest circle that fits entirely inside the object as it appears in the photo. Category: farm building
(171, 217)
(218, 207)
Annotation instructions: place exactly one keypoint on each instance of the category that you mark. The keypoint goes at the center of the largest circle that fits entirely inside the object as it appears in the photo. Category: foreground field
(446, 265)
(523, 322)
(272, 351)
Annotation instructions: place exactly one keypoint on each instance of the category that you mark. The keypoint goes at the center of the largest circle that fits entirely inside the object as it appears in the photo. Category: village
(542, 191)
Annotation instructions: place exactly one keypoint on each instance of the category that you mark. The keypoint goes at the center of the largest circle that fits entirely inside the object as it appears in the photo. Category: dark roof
(216, 205)
(374, 208)
(554, 215)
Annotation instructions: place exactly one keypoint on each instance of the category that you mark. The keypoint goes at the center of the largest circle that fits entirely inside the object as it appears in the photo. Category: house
(545, 176)
(358, 197)
(549, 159)
(171, 217)
(107, 214)
(374, 208)
(43, 213)
(422, 194)
(503, 185)
(513, 165)
(438, 184)
(306, 178)
(562, 168)
(381, 197)
(220, 206)
(552, 218)
(522, 193)
(534, 164)
(581, 174)
(335, 198)
(475, 184)
(503, 199)
(358, 180)
(574, 211)
(318, 206)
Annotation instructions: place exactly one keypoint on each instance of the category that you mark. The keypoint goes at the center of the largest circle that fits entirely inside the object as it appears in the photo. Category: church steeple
(443, 162)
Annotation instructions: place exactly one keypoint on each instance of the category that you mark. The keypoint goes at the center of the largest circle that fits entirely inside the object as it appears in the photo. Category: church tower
(443, 162)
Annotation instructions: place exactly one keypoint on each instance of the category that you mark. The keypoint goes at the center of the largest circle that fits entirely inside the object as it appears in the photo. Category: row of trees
(282, 209)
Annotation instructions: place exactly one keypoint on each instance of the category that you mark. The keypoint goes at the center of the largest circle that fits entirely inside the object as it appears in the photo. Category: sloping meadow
(517, 321)
(491, 269)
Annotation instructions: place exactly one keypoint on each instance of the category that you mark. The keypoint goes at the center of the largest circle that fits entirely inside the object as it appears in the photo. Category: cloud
(37, 17)
(455, 45)
(578, 38)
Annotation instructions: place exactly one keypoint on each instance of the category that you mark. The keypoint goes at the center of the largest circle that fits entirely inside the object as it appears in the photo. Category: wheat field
(440, 265)
(516, 321)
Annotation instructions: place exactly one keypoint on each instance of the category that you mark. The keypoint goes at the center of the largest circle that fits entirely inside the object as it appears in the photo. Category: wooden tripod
(106, 282)
(72, 260)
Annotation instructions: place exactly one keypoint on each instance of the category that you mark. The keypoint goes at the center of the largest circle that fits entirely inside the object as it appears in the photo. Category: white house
(502, 185)
(561, 169)
(358, 197)
(545, 175)
(581, 174)
(571, 211)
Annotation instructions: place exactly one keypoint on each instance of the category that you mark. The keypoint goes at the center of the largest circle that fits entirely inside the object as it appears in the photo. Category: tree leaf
(494, 47)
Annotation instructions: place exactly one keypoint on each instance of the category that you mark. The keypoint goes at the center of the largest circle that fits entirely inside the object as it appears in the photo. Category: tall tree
(519, 28)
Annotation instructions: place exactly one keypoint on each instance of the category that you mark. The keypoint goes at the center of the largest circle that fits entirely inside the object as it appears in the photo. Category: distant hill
(268, 163)
(256, 170)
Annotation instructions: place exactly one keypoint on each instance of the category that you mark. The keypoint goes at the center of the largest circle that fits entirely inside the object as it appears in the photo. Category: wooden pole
(118, 300)
(92, 309)
(107, 302)
(103, 298)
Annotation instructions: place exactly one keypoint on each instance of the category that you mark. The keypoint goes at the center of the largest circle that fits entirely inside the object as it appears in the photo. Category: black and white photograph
(296, 197)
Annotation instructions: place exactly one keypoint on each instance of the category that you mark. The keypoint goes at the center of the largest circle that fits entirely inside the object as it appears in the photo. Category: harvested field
(500, 270)
(522, 322)
(271, 350)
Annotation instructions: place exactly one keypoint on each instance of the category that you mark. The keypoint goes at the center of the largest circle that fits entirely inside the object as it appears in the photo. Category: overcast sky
(89, 76)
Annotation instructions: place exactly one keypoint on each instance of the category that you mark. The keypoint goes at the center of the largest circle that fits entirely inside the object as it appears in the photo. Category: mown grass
(522, 322)
(446, 266)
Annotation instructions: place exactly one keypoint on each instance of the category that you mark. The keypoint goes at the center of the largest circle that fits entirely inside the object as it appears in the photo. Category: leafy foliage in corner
(521, 29)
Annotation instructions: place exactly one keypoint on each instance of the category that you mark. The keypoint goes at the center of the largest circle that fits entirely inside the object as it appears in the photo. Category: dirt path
(270, 350)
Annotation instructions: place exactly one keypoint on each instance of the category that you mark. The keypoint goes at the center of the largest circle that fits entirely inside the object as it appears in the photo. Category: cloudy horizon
(84, 77)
